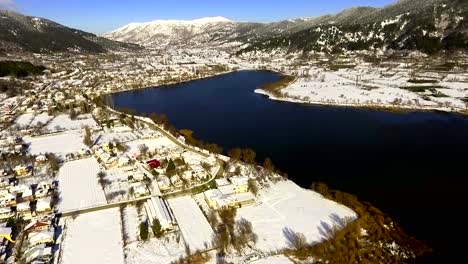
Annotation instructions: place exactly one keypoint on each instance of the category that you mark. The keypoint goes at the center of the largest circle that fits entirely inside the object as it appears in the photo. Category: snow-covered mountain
(429, 26)
(165, 32)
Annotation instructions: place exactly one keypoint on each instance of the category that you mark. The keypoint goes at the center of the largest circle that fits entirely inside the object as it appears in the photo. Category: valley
(338, 138)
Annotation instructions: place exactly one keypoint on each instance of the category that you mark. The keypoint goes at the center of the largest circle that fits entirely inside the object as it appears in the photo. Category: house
(41, 158)
(123, 161)
(188, 175)
(37, 226)
(19, 189)
(140, 190)
(176, 181)
(84, 152)
(27, 195)
(5, 234)
(38, 253)
(43, 206)
(3, 193)
(243, 199)
(139, 176)
(164, 183)
(42, 190)
(5, 213)
(108, 147)
(4, 183)
(216, 200)
(241, 183)
(24, 210)
(21, 170)
(222, 182)
(211, 197)
(42, 237)
(153, 163)
(8, 200)
(227, 189)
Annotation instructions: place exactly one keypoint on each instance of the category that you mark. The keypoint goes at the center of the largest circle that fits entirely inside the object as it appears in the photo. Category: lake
(412, 165)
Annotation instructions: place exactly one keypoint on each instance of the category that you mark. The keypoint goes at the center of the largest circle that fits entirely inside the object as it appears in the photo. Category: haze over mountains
(429, 26)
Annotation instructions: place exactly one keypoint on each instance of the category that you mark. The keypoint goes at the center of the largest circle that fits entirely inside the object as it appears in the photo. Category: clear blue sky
(100, 16)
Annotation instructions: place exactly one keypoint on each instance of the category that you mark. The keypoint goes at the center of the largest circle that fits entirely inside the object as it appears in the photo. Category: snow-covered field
(105, 137)
(155, 251)
(42, 118)
(63, 143)
(131, 222)
(94, 237)
(151, 144)
(63, 122)
(273, 260)
(24, 120)
(79, 185)
(286, 207)
(193, 224)
(370, 87)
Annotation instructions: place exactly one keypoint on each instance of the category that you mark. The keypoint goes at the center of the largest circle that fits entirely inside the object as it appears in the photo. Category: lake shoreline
(374, 107)
(271, 96)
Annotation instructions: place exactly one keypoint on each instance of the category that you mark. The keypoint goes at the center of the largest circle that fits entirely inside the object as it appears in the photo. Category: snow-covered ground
(286, 208)
(105, 137)
(24, 120)
(155, 251)
(151, 144)
(193, 224)
(94, 237)
(60, 144)
(131, 222)
(63, 122)
(79, 187)
(373, 87)
(280, 259)
(42, 118)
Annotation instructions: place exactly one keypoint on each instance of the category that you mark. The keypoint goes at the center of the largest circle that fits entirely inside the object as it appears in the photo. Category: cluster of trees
(19, 69)
(156, 228)
(191, 140)
(231, 233)
(88, 137)
(247, 155)
(275, 87)
(53, 161)
(345, 243)
(102, 179)
(196, 257)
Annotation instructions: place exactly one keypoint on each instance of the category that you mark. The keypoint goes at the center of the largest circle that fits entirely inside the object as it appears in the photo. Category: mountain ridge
(35, 34)
(429, 26)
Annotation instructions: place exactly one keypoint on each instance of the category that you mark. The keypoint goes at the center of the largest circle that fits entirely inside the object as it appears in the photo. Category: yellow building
(21, 170)
(240, 183)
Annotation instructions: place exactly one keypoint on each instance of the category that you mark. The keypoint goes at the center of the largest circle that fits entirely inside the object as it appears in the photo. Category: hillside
(173, 32)
(429, 26)
(26, 33)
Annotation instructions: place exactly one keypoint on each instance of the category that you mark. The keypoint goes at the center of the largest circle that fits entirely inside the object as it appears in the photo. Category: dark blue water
(413, 166)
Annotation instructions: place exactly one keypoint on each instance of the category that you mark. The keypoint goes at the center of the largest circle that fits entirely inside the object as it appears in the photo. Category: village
(80, 179)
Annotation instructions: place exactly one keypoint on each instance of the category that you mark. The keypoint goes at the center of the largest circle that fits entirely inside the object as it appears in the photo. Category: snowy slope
(170, 31)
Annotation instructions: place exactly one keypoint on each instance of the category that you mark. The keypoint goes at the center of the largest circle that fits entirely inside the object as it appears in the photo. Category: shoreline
(270, 96)
(173, 83)
(375, 107)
